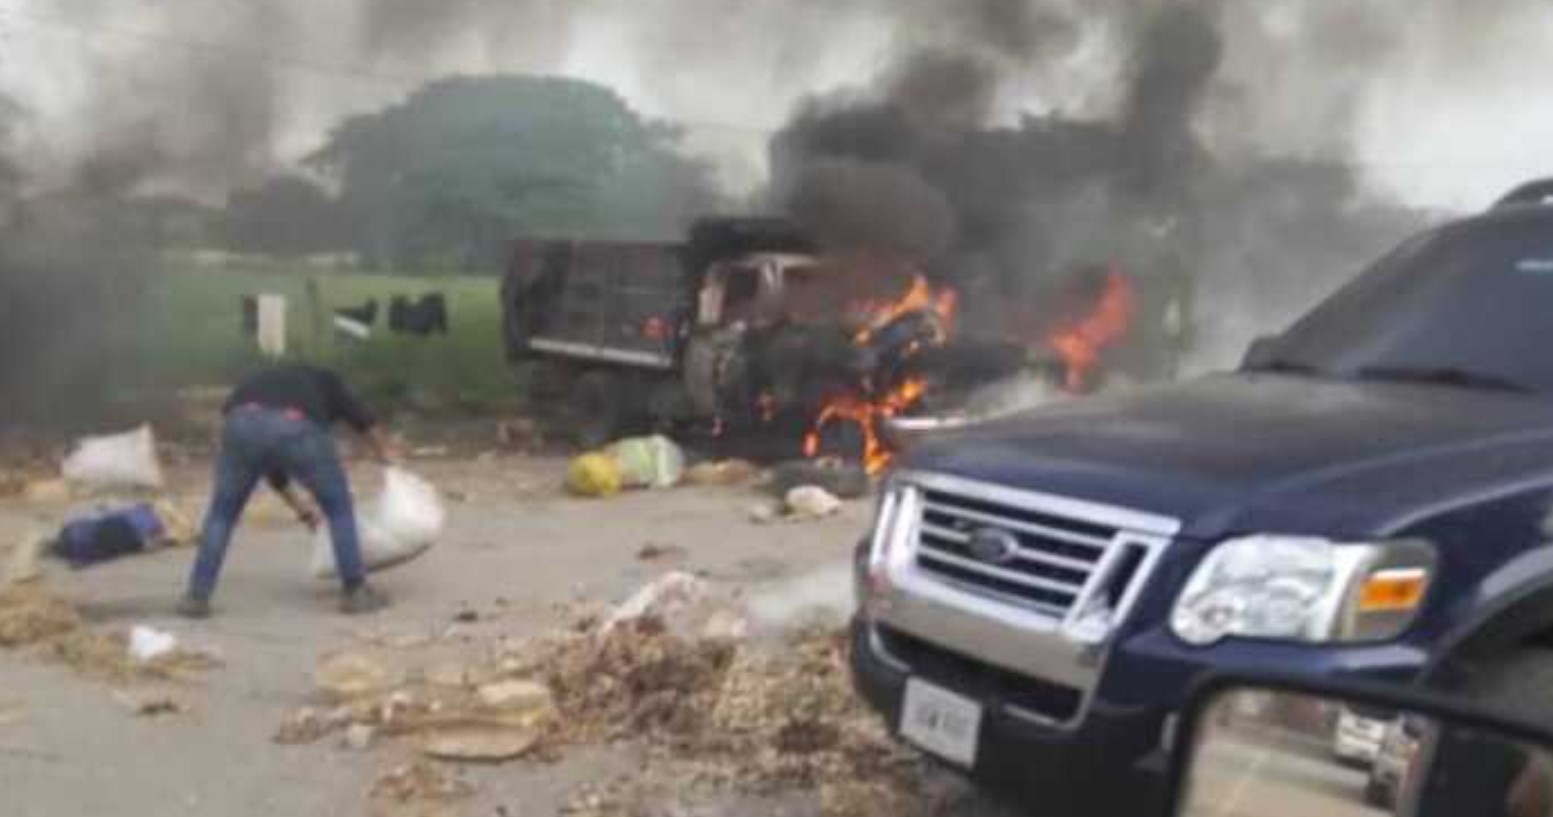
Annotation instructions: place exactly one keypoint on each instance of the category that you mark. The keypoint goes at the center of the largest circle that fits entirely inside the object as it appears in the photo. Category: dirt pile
(417, 789)
(732, 716)
(36, 619)
(712, 712)
(31, 615)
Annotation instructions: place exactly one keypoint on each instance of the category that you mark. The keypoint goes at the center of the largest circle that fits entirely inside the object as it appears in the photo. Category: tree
(442, 179)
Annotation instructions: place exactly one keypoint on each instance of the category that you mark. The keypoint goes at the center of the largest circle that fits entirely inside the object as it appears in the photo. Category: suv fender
(1513, 605)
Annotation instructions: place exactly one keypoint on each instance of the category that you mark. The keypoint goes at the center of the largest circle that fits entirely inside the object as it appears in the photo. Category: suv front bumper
(1014, 750)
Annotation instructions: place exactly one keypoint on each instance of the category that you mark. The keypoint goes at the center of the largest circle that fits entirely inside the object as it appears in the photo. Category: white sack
(402, 523)
(125, 460)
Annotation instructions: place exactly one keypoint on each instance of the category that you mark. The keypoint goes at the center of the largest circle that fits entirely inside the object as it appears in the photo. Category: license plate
(941, 722)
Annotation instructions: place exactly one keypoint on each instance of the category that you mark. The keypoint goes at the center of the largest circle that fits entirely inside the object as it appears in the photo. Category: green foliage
(192, 335)
(441, 180)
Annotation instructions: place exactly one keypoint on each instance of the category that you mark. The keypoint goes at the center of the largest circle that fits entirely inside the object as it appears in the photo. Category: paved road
(68, 748)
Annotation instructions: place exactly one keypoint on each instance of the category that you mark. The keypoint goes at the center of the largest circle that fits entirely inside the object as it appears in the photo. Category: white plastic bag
(402, 523)
(125, 460)
(649, 462)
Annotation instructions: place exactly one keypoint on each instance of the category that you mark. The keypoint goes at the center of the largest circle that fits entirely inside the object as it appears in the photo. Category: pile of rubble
(35, 619)
(671, 672)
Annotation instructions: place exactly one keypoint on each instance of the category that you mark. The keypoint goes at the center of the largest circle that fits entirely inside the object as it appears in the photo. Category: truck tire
(598, 409)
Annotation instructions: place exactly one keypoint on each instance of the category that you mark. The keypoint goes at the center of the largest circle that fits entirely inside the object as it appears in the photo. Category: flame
(1080, 342)
(867, 410)
(919, 297)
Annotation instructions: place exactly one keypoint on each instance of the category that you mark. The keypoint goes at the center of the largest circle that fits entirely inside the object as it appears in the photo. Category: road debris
(152, 704)
(680, 602)
(811, 502)
(31, 615)
(671, 671)
(149, 644)
(25, 564)
(349, 675)
(480, 742)
(801, 504)
(304, 726)
(845, 480)
(115, 461)
(359, 737)
(653, 552)
(420, 788)
(178, 526)
(723, 473)
(47, 492)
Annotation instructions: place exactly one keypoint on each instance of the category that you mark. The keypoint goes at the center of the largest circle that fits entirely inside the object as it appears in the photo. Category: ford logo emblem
(993, 546)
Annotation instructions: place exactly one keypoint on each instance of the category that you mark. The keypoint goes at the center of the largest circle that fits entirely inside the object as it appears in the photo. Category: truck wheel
(598, 409)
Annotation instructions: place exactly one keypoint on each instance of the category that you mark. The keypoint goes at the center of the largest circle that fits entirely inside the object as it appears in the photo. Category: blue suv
(1368, 495)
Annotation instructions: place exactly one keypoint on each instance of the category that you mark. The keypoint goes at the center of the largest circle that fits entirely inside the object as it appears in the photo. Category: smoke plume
(992, 141)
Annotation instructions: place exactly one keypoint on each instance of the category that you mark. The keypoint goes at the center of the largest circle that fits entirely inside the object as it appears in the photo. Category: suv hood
(1273, 453)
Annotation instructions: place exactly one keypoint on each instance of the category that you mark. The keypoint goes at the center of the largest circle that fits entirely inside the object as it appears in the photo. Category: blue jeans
(257, 442)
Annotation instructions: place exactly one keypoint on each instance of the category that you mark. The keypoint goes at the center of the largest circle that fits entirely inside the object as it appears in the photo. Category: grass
(190, 333)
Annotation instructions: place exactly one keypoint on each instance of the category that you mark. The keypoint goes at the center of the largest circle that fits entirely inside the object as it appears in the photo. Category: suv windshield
(1468, 306)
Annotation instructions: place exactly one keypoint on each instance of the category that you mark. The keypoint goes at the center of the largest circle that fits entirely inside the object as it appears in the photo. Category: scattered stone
(723, 473)
(652, 552)
(302, 727)
(351, 674)
(26, 562)
(530, 702)
(844, 480)
(480, 743)
(359, 737)
(765, 513)
(811, 502)
(420, 788)
(151, 704)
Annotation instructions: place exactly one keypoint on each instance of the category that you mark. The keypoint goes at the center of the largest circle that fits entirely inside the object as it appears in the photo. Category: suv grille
(1047, 564)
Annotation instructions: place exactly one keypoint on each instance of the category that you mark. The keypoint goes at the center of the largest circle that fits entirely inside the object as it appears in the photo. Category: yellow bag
(595, 475)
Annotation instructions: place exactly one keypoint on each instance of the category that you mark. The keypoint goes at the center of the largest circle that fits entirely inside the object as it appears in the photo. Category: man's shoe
(194, 607)
(362, 599)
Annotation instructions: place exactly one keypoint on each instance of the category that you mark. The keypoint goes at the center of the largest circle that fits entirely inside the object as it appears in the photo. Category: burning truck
(749, 333)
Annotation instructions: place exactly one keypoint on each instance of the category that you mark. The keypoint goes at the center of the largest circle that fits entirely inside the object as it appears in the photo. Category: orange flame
(868, 412)
(1079, 343)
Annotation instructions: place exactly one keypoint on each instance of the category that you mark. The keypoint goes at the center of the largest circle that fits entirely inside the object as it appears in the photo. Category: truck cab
(1368, 495)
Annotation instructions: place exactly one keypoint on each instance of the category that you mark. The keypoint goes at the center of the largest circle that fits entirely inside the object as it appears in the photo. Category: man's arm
(350, 409)
(385, 448)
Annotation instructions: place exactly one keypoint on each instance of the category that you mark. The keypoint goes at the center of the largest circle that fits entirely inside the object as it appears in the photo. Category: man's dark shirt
(318, 394)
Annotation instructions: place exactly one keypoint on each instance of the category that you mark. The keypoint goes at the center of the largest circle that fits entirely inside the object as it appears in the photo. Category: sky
(1453, 145)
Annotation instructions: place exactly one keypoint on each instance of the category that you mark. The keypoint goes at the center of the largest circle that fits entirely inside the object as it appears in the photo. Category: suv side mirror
(1260, 352)
(1278, 748)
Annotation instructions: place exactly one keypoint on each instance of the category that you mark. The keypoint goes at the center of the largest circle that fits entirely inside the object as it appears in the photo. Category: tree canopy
(442, 179)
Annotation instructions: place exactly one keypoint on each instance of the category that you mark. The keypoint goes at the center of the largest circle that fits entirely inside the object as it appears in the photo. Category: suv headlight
(1303, 589)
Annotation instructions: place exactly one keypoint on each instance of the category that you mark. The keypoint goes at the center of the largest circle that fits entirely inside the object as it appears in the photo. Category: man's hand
(387, 449)
(306, 513)
(308, 516)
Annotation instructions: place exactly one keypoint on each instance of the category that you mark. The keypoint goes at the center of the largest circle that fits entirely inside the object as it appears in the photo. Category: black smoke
(1015, 206)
